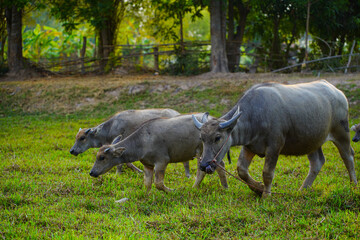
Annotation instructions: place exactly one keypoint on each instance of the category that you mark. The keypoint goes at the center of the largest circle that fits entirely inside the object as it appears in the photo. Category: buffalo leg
(159, 177)
(148, 177)
(187, 169)
(243, 164)
(316, 160)
(222, 175)
(133, 167)
(268, 172)
(342, 142)
(199, 175)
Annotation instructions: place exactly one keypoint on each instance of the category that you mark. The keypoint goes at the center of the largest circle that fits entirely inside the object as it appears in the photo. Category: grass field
(48, 193)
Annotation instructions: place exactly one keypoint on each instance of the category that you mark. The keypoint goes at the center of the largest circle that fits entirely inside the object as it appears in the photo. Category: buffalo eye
(217, 138)
(82, 138)
(101, 158)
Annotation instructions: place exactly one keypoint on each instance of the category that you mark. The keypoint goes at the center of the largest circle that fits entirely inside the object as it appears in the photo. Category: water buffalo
(356, 129)
(156, 143)
(123, 123)
(280, 119)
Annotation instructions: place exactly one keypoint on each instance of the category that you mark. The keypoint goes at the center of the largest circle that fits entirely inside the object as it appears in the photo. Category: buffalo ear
(353, 128)
(91, 131)
(119, 151)
(117, 139)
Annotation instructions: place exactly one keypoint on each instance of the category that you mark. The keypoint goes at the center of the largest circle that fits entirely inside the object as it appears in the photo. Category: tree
(219, 62)
(13, 14)
(342, 23)
(166, 10)
(238, 11)
(3, 33)
(105, 16)
(14, 11)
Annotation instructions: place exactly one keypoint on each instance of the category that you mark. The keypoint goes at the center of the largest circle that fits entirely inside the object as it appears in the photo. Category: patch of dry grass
(71, 95)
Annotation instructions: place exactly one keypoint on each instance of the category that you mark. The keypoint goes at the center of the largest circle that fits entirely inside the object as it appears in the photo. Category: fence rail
(158, 57)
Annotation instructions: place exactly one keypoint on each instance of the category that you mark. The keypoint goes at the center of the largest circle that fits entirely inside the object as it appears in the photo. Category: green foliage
(197, 29)
(168, 15)
(47, 42)
(191, 62)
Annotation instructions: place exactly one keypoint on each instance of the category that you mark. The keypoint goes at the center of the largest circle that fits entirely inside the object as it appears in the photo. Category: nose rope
(238, 178)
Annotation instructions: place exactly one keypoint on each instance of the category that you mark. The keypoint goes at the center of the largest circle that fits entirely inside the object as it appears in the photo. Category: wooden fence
(159, 57)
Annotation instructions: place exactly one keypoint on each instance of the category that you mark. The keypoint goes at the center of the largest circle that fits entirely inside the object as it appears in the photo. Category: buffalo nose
(203, 166)
(209, 169)
(73, 152)
(92, 174)
(355, 139)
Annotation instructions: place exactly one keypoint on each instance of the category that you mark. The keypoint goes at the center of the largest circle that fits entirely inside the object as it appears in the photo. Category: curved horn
(87, 131)
(80, 129)
(106, 150)
(198, 124)
(232, 120)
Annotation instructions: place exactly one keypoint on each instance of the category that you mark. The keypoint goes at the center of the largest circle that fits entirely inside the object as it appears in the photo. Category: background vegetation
(47, 193)
(255, 36)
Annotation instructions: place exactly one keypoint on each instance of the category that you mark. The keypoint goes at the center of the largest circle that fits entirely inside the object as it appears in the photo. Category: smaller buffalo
(356, 129)
(156, 143)
(122, 123)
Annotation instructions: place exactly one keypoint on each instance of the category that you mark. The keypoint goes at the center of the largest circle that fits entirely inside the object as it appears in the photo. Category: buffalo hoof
(258, 189)
(266, 195)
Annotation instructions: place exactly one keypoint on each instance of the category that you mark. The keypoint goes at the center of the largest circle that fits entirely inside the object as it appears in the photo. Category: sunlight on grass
(48, 193)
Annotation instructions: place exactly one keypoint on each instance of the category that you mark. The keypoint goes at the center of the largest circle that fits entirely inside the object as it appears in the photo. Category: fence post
(156, 58)
(349, 60)
(82, 56)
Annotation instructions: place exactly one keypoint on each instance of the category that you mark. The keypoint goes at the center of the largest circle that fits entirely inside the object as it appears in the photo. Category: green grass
(47, 193)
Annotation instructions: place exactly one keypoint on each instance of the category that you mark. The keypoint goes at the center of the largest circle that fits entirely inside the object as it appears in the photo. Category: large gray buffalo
(123, 123)
(272, 119)
(356, 129)
(156, 143)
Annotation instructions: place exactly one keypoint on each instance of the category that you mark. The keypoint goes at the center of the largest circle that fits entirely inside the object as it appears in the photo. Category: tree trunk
(219, 61)
(82, 55)
(14, 28)
(3, 41)
(231, 50)
(276, 60)
(181, 34)
(106, 48)
(3, 34)
(292, 39)
(235, 38)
